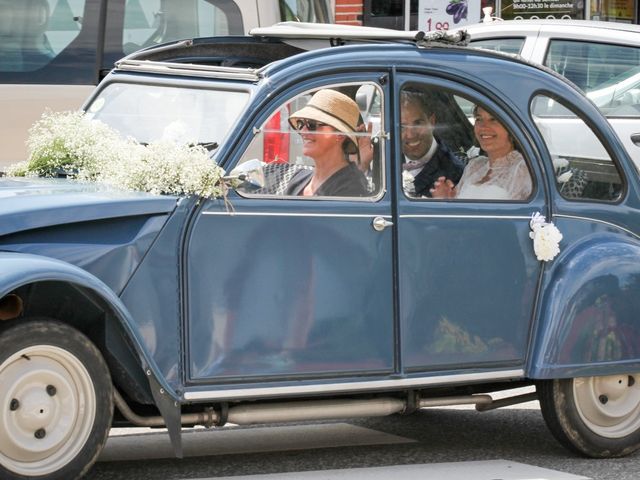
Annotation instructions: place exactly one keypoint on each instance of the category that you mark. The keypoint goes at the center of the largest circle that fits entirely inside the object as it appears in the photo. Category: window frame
(285, 99)
(474, 96)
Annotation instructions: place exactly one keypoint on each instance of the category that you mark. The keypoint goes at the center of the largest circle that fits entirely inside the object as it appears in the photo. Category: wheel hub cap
(47, 406)
(609, 405)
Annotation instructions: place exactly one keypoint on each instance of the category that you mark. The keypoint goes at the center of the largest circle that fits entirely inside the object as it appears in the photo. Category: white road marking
(484, 470)
(225, 441)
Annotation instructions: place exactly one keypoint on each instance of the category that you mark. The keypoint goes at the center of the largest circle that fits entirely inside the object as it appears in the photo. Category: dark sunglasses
(312, 125)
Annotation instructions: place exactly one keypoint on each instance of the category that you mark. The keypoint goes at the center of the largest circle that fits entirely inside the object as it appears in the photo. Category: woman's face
(491, 135)
(316, 143)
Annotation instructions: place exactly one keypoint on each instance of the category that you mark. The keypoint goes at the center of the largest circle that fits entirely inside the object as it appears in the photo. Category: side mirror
(248, 175)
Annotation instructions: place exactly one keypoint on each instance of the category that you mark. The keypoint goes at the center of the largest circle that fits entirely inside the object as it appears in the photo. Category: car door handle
(635, 138)
(380, 223)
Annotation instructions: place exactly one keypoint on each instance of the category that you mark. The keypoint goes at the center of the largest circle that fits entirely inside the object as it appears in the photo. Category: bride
(501, 175)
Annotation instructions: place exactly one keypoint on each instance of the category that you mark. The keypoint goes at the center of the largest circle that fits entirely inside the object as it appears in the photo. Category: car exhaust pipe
(314, 410)
(259, 413)
(11, 306)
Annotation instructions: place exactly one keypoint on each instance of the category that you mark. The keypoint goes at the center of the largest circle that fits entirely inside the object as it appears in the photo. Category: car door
(285, 287)
(467, 271)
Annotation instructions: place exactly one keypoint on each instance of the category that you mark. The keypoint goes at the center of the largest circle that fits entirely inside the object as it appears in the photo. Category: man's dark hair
(420, 97)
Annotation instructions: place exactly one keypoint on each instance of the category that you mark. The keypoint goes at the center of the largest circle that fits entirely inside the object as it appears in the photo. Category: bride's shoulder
(515, 156)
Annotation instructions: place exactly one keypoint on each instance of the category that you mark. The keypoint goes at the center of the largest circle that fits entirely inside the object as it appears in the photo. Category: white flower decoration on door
(546, 238)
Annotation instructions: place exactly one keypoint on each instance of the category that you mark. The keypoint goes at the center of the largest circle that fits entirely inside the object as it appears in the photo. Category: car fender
(587, 321)
(20, 269)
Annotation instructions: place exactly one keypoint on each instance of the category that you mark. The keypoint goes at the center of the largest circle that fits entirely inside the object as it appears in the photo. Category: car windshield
(619, 94)
(149, 113)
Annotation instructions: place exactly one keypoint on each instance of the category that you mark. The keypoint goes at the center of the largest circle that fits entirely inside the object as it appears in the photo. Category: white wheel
(609, 406)
(53, 414)
(595, 416)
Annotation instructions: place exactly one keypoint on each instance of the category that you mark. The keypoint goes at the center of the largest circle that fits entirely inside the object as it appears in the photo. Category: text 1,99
(437, 25)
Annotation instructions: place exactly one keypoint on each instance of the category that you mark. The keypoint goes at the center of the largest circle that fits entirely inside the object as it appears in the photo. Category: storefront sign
(446, 14)
(534, 9)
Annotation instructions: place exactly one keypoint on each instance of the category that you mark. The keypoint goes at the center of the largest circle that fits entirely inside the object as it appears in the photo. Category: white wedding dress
(509, 180)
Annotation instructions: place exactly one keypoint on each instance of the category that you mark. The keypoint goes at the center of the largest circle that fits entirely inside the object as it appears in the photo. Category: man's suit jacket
(442, 164)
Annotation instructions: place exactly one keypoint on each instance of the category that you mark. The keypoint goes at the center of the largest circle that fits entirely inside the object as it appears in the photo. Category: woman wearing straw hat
(327, 125)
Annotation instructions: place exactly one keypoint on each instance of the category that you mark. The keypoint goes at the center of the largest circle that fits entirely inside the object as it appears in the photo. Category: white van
(54, 52)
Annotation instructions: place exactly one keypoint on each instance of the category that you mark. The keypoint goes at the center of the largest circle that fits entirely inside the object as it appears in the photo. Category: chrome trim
(589, 219)
(288, 214)
(232, 394)
(189, 69)
(506, 217)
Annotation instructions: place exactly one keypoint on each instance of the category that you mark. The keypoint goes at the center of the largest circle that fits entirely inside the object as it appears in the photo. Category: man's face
(417, 130)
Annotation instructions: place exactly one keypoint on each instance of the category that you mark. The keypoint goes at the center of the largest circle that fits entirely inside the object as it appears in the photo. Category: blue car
(451, 245)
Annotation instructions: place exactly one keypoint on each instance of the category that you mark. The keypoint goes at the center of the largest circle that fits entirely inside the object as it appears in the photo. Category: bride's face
(491, 134)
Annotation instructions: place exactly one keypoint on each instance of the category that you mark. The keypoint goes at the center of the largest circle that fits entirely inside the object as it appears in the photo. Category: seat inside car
(32, 21)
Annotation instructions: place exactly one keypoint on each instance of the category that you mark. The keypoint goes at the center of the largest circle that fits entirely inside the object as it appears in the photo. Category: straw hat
(335, 109)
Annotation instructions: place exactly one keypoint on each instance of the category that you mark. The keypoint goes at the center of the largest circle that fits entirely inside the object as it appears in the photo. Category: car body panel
(19, 269)
(590, 325)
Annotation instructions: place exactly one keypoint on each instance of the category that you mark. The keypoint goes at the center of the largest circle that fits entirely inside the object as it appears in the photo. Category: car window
(34, 32)
(583, 169)
(150, 22)
(609, 74)
(150, 113)
(505, 45)
(455, 148)
(307, 132)
(305, 11)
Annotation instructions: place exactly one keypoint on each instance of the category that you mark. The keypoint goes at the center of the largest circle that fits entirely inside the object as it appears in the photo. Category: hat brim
(312, 113)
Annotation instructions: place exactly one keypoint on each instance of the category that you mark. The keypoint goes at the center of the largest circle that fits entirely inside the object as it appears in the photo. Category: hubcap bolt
(51, 390)
(603, 399)
(14, 405)
(40, 433)
(631, 381)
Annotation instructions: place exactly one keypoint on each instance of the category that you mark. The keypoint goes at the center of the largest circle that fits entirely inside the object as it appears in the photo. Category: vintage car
(129, 308)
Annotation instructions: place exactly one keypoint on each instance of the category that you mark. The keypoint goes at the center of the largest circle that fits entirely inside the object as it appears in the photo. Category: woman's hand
(443, 188)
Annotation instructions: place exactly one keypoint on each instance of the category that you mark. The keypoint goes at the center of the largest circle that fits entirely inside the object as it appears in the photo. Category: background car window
(584, 169)
(150, 22)
(34, 32)
(280, 147)
(305, 11)
(609, 74)
(505, 45)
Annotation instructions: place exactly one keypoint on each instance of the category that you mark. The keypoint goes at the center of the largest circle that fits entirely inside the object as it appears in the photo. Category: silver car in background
(54, 52)
(602, 58)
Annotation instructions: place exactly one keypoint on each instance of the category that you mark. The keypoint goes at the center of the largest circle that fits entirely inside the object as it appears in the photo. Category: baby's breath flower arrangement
(71, 144)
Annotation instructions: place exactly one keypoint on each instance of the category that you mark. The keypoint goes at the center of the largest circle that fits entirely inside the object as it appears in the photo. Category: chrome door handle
(380, 223)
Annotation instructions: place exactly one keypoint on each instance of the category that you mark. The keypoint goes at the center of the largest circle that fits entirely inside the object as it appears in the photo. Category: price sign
(446, 14)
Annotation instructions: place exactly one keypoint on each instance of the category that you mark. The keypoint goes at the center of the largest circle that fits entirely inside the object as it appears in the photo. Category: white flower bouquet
(69, 144)
(546, 238)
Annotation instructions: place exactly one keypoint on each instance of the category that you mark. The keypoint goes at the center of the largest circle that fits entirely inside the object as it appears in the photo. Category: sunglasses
(312, 125)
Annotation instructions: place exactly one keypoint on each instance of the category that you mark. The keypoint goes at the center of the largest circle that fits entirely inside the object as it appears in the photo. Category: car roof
(270, 49)
(242, 57)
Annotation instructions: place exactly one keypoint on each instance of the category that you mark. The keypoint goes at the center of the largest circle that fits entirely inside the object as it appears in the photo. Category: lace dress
(508, 180)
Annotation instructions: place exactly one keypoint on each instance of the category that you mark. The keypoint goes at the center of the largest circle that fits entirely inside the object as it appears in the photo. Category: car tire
(56, 401)
(595, 416)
